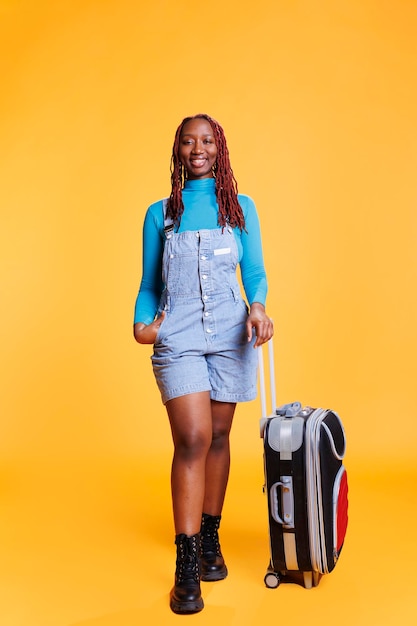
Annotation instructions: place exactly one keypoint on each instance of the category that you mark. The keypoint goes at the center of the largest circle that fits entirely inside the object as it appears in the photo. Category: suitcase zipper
(314, 499)
(314, 426)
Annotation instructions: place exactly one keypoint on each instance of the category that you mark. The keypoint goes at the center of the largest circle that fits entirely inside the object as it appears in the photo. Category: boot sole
(182, 608)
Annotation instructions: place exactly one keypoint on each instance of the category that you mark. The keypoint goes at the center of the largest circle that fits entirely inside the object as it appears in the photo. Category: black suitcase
(306, 486)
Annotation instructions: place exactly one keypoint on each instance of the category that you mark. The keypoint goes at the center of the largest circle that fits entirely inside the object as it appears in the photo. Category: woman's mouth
(198, 162)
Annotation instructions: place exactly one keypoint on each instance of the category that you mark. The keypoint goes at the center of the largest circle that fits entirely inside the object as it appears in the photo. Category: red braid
(230, 211)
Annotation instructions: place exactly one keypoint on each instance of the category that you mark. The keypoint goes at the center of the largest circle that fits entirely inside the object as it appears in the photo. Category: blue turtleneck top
(200, 212)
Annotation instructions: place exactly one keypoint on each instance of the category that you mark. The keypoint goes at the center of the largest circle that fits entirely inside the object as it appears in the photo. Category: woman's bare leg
(218, 457)
(191, 425)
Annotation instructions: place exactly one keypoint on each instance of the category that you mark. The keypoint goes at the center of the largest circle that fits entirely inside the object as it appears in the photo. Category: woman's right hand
(147, 333)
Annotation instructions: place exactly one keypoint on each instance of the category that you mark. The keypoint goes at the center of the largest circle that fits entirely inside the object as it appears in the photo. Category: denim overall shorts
(202, 343)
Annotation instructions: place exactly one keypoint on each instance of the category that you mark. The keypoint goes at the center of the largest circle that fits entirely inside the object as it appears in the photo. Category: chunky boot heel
(212, 562)
(185, 596)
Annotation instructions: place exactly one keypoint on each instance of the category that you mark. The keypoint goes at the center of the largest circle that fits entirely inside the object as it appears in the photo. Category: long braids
(230, 211)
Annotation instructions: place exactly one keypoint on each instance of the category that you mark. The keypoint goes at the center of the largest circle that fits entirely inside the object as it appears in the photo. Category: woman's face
(197, 148)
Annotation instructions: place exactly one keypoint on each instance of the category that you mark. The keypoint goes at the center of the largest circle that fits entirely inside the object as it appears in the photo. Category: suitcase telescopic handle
(285, 487)
(285, 410)
(271, 364)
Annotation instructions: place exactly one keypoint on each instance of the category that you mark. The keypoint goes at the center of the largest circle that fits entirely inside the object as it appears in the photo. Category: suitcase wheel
(272, 580)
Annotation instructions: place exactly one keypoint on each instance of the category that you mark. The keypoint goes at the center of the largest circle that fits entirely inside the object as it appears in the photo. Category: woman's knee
(192, 445)
(220, 439)
(191, 424)
(221, 424)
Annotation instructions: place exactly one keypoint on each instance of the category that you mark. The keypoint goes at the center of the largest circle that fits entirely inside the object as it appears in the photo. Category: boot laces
(210, 535)
(187, 562)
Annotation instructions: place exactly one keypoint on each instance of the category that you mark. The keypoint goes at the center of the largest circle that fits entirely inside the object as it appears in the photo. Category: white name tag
(218, 251)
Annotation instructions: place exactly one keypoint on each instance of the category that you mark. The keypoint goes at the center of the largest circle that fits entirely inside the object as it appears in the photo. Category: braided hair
(230, 211)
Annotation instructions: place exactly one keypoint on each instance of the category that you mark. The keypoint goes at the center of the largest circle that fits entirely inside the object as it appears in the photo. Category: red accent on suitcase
(342, 512)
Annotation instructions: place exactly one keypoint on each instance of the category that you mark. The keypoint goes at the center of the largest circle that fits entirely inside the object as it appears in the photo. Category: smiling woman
(229, 210)
(190, 308)
(198, 150)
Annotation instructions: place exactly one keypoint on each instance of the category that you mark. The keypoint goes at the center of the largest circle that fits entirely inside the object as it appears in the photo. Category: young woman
(204, 334)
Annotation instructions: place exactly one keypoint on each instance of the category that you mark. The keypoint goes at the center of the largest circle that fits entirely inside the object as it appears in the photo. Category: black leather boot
(185, 596)
(212, 562)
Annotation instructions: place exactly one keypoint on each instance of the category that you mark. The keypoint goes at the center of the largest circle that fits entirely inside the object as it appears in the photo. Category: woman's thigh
(190, 417)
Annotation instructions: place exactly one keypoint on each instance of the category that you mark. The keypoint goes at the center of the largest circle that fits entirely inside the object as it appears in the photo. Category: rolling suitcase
(306, 486)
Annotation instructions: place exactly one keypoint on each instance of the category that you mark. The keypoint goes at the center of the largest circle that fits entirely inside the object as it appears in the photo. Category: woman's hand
(262, 324)
(147, 333)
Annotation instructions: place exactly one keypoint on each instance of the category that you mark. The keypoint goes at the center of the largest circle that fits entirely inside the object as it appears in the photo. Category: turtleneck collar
(203, 184)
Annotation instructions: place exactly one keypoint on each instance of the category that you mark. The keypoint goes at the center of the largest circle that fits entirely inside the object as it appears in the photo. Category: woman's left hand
(262, 324)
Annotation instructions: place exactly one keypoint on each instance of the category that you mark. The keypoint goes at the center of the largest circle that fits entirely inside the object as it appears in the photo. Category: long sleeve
(251, 263)
(151, 284)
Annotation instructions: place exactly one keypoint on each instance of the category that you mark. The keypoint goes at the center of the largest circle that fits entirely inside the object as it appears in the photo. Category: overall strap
(168, 222)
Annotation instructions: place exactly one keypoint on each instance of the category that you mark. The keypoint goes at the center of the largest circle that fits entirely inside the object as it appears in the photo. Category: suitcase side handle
(285, 487)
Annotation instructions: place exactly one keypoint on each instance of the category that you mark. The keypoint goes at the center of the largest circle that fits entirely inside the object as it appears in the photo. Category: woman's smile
(197, 149)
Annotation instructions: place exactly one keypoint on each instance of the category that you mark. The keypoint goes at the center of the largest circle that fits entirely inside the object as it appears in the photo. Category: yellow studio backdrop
(319, 104)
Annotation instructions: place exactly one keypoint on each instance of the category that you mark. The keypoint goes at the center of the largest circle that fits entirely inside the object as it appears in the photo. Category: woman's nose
(197, 147)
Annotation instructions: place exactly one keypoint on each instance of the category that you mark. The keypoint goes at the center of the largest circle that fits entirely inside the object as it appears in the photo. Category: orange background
(319, 104)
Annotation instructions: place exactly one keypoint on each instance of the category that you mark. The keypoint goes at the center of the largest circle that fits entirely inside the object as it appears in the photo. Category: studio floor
(91, 544)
